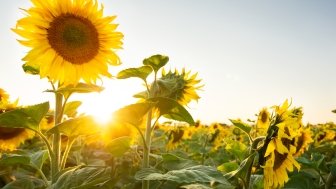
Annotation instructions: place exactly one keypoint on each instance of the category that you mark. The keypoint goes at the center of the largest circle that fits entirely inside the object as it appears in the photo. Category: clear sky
(250, 54)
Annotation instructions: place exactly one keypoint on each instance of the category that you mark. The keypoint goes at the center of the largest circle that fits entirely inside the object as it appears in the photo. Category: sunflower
(263, 122)
(276, 157)
(70, 40)
(11, 138)
(302, 141)
(175, 137)
(4, 97)
(181, 87)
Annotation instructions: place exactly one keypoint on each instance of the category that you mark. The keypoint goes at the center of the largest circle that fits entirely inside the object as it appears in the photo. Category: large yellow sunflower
(70, 40)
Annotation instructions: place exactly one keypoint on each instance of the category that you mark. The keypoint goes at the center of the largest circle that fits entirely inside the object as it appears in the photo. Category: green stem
(249, 170)
(66, 152)
(57, 138)
(145, 183)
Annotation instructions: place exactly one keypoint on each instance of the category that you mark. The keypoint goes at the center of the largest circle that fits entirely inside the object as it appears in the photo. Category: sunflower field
(154, 143)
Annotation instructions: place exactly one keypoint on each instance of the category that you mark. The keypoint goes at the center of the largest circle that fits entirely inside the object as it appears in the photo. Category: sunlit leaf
(117, 147)
(84, 125)
(141, 72)
(228, 167)
(241, 125)
(143, 95)
(171, 109)
(78, 88)
(134, 113)
(156, 61)
(70, 108)
(26, 117)
(199, 173)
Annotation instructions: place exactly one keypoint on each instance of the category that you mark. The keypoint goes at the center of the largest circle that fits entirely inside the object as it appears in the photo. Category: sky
(249, 55)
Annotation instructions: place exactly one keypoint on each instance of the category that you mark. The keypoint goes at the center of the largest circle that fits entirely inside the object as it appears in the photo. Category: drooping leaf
(14, 159)
(228, 167)
(84, 125)
(38, 158)
(133, 114)
(84, 178)
(70, 108)
(78, 88)
(241, 125)
(199, 173)
(117, 147)
(141, 72)
(171, 109)
(243, 167)
(20, 184)
(156, 61)
(26, 117)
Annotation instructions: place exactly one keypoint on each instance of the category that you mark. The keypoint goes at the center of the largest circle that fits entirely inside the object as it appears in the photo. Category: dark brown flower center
(8, 133)
(264, 117)
(279, 159)
(74, 38)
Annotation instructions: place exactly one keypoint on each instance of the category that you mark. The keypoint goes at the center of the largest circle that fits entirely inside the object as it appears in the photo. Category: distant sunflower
(302, 141)
(4, 97)
(175, 137)
(181, 87)
(70, 40)
(263, 121)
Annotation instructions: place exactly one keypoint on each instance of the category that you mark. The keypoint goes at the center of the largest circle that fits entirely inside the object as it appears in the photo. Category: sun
(117, 94)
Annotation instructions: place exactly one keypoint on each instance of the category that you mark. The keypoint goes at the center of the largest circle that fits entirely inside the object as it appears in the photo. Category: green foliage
(173, 110)
(119, 146)
(141, 72)
(38, 158)
(156, 62)
(134, 113)
(30, 69)
(195, 174)
(14, 159)
(241, 125)
(75, 127)
(83, 178)
(20, 184)
(70, 108)
(27, 117)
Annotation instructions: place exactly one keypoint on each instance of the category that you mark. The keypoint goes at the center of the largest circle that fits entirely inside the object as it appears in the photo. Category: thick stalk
(146, 151)
(57, 138)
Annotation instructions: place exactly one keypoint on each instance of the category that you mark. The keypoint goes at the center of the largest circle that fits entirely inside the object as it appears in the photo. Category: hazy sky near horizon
(249, 54)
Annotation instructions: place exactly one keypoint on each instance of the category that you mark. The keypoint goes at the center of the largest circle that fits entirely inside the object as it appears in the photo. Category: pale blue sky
(250, 54)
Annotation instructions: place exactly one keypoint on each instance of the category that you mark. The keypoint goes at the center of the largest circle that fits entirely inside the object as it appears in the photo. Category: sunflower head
(69, 40)
(181, 87)
(264, 120)
(4, 97)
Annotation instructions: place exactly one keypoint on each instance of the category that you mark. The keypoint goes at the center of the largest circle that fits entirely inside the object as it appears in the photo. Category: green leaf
(241, 125)
(143, 95)
(14, 159)
(70, 108)
(133, 114)
(301, 180)
(141, 72)
(199, 173)
(78, 88)
(174, 162)
(85, 178)
(26, 117)
(333, 169)
(20, 184)
(117, 147)
(228, 167)
(243, 167)
(156, 62)
(171, 109)
(195, 186)
(38, 158)
(31, 69)
(75, 127)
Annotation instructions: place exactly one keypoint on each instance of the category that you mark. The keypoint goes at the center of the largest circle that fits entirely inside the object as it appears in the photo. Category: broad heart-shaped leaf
(171, 109)
(84, 125)
(195, 174)
(84, 178)
(141, 72)
(20, 184)
(70, 108)
(241, 125)
(117, 147)
(26, 117)
(156, 62)
(134, 113)
(14, 159)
